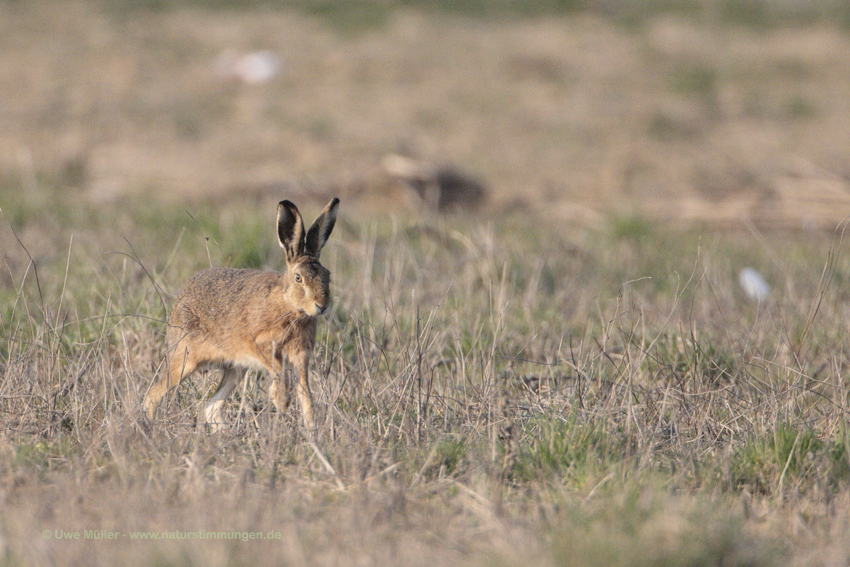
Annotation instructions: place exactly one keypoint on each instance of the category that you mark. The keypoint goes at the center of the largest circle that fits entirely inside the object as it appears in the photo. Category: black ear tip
(335, 201)
(287, 209)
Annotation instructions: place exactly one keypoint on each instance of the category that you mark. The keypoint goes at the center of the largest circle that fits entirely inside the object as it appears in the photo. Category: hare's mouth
(320, 309)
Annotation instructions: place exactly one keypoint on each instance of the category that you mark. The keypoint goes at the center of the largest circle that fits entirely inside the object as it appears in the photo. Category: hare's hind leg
(178, 368)
(212, 412)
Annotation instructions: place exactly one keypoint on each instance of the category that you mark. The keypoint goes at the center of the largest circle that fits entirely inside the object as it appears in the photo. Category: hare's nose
(321, 308)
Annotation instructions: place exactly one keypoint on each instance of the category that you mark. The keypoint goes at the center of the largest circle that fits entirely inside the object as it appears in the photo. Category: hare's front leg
(279, 388)
(302, 388)
(279, 393)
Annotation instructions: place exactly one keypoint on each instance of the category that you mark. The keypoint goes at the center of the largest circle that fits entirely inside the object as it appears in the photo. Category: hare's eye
(298, 278)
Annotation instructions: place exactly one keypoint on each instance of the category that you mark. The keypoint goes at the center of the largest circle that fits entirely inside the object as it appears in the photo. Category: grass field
(488, 392)
(559, 379)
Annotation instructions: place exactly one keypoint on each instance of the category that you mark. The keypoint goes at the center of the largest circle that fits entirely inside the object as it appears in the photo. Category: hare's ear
(318, 234)
(290, 230)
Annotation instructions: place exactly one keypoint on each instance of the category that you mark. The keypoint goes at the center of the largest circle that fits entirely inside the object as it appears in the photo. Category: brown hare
(241, 319)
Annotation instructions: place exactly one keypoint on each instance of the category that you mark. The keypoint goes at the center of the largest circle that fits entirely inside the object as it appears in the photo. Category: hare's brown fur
(240, 319)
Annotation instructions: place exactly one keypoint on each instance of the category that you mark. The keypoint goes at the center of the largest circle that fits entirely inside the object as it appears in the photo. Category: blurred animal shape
(439, 189)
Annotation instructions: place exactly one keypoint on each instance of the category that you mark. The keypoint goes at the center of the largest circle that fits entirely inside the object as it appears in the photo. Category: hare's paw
(213, 417)
(279, 393)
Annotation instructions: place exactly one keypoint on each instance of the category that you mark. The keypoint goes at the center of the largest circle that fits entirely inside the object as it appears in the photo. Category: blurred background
(721, 112)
